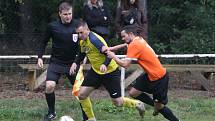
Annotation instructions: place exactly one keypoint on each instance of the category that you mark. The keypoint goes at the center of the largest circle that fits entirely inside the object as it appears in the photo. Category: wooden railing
(197, 71)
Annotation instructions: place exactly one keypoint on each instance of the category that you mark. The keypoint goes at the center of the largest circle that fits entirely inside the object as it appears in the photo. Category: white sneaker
(141, 108)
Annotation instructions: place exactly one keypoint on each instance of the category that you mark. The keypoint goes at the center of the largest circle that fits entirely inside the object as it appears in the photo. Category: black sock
(84, 114)
(145, 98)
(167, 113)
(50, 99)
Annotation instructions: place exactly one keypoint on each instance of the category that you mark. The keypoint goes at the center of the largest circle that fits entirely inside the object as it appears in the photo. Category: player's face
(125, 37)
(66, 16)
(82, 32)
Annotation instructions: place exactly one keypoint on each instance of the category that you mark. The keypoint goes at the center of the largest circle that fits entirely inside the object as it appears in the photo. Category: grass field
(187, 109)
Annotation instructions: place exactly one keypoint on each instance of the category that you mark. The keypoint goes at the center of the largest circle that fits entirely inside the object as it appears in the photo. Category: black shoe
(50, 117)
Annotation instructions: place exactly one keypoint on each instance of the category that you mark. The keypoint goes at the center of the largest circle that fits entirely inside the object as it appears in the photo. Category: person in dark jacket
(64, 51)
(133, 12)
(98, 17)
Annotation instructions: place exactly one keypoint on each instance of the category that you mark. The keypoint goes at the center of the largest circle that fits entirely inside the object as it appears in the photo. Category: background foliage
(179, 26)
(182, 26)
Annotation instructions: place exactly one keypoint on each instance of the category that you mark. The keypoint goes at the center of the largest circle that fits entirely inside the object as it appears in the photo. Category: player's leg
(131, 103)
(90, 83)
(111, 82)
(160, 98)
(142, 96)
(50, 95)
(138, 89)
(85, 101)
(51, 80)
(72, 80)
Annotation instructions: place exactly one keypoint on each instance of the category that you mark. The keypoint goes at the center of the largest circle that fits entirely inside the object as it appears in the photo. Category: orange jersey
(146, 58)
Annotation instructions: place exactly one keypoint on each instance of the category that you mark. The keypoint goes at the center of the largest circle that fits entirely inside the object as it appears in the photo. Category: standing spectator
(98, 17)
(155, 79)
(104, 71)
(64, 51)
(133, 12)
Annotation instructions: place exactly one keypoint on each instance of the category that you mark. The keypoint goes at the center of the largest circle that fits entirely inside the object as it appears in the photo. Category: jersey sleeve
(98, 44)
(43, 44)
(133, 52)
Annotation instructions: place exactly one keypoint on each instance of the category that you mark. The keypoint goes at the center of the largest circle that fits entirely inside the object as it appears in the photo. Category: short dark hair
(130, 28)
(81, 23)
(64, 5)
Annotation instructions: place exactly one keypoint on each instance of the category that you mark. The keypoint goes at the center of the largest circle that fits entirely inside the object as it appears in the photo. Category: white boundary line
(185, 55)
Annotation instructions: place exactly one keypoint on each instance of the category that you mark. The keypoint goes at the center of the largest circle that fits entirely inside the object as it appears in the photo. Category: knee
(50, 87)
(132, 94)
(158, 106)
(118, 102)
(82, 96)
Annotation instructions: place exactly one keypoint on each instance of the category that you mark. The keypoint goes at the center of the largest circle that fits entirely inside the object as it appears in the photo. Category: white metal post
(122, 81)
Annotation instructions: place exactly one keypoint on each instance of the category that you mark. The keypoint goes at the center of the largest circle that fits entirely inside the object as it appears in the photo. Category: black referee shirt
(64, 42)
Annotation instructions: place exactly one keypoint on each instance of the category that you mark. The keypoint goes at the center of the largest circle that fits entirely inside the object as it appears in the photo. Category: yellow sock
(127, 102)
(87, 108)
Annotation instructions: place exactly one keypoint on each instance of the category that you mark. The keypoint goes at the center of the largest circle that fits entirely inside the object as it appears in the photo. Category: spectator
(133, 12)
(97, 17)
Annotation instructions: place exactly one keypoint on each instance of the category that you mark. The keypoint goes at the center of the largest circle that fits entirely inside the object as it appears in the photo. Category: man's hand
(40, 62)
(110, 54)
(103, 68)
(73, 69)
(122, 62)
(104, 49)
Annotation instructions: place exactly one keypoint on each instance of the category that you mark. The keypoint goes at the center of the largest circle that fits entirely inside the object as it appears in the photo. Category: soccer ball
(66, 118)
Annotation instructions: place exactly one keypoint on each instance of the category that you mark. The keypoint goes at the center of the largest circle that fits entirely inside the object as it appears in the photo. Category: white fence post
(122, 81)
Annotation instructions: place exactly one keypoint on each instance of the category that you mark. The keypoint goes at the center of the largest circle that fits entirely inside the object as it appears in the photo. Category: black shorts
(55, 71)
(110, 81)
(158, 88)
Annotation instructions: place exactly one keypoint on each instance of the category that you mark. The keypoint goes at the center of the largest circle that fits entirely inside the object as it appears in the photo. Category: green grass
(195, 109)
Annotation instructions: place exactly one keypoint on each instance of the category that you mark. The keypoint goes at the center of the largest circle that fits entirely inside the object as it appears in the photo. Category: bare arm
(117, 47)
(124, 63)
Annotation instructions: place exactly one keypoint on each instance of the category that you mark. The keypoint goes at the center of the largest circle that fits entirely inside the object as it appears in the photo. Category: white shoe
(141, 108)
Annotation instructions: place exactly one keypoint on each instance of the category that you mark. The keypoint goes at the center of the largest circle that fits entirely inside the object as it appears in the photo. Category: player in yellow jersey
(104, 71)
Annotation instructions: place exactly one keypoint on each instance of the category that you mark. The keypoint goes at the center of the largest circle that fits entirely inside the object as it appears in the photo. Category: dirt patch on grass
(180, 86)
(97, 94)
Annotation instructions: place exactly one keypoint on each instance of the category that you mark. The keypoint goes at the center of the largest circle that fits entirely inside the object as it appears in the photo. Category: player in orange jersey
(155, 79)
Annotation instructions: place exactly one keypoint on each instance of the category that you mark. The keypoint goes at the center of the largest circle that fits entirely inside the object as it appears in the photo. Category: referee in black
(64, 51)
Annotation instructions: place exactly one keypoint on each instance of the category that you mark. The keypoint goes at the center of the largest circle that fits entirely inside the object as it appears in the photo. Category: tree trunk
(26, 26)
(143, 7)
(117, 17)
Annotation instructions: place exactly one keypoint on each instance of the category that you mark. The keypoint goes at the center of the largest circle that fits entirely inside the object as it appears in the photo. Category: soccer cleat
(141, 108)
(50, 116)
(92, 119)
